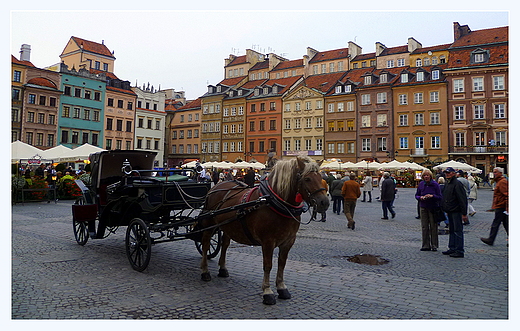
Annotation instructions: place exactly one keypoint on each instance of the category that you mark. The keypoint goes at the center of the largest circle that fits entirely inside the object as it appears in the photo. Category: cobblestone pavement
(55, 278)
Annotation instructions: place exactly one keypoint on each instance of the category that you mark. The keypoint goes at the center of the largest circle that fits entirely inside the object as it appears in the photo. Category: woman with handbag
(429, 195)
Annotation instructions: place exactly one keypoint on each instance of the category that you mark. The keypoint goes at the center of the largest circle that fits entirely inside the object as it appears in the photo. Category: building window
(381, 120)
(87, 95)
(365, 145)
(390, 63)
(368, 80)
(500, 138)
(32, 98)
(128, 126)
(272, 124)
(350, 105)
(86, 114)
(66, 111)
(43, 100)
(420, 76)
(319, 122)
(400, 62)
(500, 110)
(478, 84)
(404, 78)
(330, 148)
(51, 119)
(459, 113)
(39, 139)
(67, 90)
(64, 137)
(436, 142)
(419, 142)
(84, 139)
(460, 139)
(17, 76)
(29, 138)
(418, 98)
(403, 99)
(41, 118)
(341, 107)
(381, 144)
(331, 107)
(403, 120)
(403, 142)
(50, 140)
(108, 144)
(419, 119)
(119, 125)
(351, 147)
(95, 116)
(365, 99)
(97, 96)
(458, 85)
(498, 82)
(383, 78)
(365, 121)
(75, 137)
(418, 63)
(435, 74)
(109, 123)
(30, 117)
(77, 113)
(77, 92)
(478, 111)
(435, 118)
(381, 97)
(480, 138)
(350, 125)
(52, 102)
(434, 96)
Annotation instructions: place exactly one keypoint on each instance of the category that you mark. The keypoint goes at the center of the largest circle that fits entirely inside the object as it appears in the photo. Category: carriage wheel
(138, 244)
(80, 227)
(214, 244)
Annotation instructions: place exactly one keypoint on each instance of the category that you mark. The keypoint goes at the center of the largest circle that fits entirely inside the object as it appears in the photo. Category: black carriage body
(121, 196)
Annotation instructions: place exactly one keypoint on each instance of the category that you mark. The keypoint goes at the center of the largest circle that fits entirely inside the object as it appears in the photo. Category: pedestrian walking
(323, 214)
(429, 195)
(455, 205)
(461, 177)
(387, 195)
(473, 188)
(335, 193)
(351, 192)
(500, 205)
(367, 187)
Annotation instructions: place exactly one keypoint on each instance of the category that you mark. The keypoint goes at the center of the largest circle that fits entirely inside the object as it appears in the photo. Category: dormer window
(443, 59)
(383, 78)
(338, 89)
(418, 63)
(210, 89)
(348, 88)
(420, 76)
(436, 74)
(239, 92)
(404, 78)
(219, 89)
(479, 56)
(266, 90)
(368, 80)
(275, 89)
(257, 91)
(230, 93)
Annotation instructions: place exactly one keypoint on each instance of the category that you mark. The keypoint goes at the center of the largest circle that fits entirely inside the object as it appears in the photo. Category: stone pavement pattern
(55, 278)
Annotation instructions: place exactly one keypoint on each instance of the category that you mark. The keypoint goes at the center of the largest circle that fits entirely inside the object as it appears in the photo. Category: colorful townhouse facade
(184, 128)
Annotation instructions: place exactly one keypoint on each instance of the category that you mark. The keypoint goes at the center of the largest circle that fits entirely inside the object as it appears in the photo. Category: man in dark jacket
(249, 178)
(455, 204)
(387, 195)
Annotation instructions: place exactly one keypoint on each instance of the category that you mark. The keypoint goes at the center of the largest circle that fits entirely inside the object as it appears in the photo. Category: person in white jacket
(472, 194)
(367, 187)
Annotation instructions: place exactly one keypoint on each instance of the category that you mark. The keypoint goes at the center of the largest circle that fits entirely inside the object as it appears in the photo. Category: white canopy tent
(393, 165)
(364, 165)
(458, 166)
(21, 150)
(336, 165)
(80, 153)
(55, 152)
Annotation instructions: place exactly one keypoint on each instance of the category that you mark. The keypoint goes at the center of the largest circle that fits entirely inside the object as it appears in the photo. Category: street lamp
(388, 154)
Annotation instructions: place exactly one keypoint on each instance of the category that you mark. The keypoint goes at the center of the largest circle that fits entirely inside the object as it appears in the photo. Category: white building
(150, 120)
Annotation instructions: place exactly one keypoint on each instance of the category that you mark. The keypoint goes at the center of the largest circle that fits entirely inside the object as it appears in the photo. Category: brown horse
(270, 224)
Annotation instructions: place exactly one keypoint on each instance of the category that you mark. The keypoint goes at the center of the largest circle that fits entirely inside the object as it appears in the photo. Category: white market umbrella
(56, 152)
(257, 165)
(222, 165)
(241, 165)
(457, 166)
(191, 164)
(332, 165)
(413, 166)
(80, 153)
(392, 165)
(21, 150)
(208, 164)
(364, 165)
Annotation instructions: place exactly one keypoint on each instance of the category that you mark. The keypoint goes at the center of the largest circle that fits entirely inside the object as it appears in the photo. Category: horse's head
(310, 184)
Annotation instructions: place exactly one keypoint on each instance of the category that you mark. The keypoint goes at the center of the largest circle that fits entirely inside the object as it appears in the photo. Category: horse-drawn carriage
(168, 205)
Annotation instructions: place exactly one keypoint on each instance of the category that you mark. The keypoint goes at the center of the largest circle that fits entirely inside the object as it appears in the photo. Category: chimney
(25, 53)
(460, 31)
(379, 48)
(353, 49)
(413, 45)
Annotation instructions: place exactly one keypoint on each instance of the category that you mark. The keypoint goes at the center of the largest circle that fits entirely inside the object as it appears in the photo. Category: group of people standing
(448, 197)
(453, 198)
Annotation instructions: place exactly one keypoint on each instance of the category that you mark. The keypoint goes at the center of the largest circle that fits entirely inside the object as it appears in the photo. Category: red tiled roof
(288, 64)
(323, 82)
(237, 60)
(120, 90)
(431, 48)
(191, 105)
(231, 81)
(498, 54)
(92, 47)
(414, 71)
(260, 65)
(482, 37)
(110, 75)
(42, 82)
(365, 56)
(25, 63)
(285, 82)
(394, 50)
(253, 83)
(330, 55)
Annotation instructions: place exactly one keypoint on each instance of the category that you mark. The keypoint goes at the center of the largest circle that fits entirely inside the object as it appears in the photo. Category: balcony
(502, 149)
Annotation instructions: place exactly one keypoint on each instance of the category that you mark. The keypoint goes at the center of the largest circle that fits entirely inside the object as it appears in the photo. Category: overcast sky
(185, 50)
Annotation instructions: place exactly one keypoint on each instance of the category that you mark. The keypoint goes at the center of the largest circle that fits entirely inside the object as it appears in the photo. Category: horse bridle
(310, 194)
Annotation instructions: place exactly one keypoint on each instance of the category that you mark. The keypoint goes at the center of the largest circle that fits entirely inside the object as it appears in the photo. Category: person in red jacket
(351, 192)
(500, 205)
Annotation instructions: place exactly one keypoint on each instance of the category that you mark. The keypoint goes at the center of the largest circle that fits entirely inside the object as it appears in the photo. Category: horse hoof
(284, 294)
(223, 273)
(269, 299)
(205, 276)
